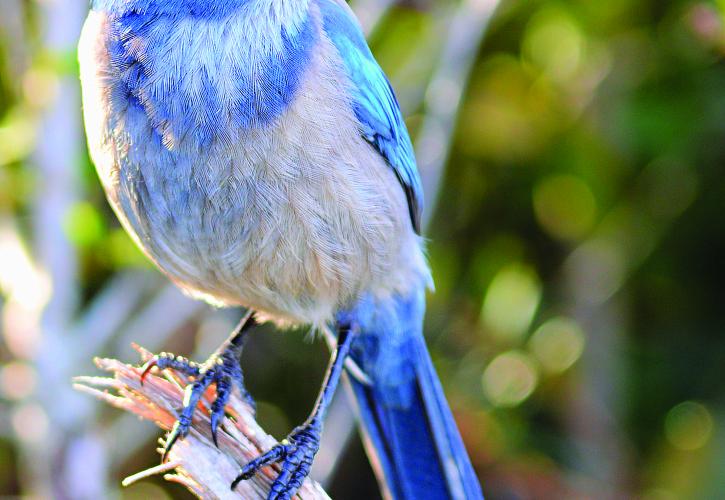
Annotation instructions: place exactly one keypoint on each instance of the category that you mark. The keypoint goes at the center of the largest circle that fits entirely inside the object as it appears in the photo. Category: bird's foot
(221, 369)
(296, 454)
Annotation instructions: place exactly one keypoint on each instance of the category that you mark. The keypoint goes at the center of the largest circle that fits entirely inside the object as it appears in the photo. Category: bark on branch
(207, 471)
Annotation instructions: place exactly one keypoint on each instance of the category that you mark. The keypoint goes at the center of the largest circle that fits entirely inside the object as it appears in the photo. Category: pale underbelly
(294, 240)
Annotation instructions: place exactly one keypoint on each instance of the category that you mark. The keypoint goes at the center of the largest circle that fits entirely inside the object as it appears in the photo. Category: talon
(236, 482)
(277, 453)
(147, 368)
(215, 418)
(171, 440)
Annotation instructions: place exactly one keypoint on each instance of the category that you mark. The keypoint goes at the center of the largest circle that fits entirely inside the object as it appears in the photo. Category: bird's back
(229, 146)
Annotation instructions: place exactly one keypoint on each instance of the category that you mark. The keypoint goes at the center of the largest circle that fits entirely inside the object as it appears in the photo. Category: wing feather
(376, 106)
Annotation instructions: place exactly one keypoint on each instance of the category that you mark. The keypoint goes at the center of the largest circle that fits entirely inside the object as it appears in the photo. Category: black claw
(216, 417)
(223, 391)
(235, 483)
(174, 434)
(214, 429)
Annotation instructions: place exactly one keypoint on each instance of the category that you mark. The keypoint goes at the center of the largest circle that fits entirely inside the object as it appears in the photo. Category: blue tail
(410, 435)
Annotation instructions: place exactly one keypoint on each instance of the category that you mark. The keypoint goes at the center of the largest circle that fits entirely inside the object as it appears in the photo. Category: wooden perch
(194, 462)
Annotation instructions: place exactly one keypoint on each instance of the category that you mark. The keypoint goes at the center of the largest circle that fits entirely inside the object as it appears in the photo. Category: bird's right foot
(295, 453)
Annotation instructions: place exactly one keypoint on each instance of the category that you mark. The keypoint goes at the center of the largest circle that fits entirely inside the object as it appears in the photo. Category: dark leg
(222, 368)
(299, 449)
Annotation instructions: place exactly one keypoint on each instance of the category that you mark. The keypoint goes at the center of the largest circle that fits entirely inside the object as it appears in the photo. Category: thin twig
(198, 465)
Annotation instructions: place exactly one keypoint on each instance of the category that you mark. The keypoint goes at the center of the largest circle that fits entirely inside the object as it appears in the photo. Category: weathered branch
(195, 462)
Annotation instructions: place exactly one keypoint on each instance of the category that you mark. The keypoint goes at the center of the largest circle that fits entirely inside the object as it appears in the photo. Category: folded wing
(375, 104)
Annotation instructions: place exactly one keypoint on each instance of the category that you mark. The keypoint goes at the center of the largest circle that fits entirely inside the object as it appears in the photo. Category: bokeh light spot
(123, 251)
(84, 225)
(598, 269)
(565, 207)
(688, 426)
(30, 423)
(510, 378)
(554, 43)
(17, 136)
(511, 302)
(17, 380)
(521, 113)
(40, 86)
(557, 344)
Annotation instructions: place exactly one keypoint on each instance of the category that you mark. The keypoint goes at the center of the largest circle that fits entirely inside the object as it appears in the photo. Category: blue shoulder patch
(375, 103)
(182, 104)
(196, 8)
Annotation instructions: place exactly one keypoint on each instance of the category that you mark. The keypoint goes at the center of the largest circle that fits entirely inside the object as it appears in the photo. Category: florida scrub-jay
(255, 151)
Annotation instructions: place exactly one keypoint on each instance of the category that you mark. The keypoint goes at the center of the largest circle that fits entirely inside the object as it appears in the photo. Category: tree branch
(194, 462)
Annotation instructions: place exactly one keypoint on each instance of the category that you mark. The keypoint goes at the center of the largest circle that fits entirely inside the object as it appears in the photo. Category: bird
(256, 152)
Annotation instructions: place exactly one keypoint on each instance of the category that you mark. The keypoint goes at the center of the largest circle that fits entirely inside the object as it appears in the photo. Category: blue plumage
(375, 103)
(255, 91)
(403, 412)
(256, 152)
(203, 9)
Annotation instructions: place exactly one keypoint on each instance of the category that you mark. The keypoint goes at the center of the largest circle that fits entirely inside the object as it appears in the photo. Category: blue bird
(255, 151)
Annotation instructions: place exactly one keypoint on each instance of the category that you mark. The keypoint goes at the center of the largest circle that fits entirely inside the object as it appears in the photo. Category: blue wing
(376, 107)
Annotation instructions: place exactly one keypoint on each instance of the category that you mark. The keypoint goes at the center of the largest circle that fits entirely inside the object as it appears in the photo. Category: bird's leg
(297, 452)
(222, 368)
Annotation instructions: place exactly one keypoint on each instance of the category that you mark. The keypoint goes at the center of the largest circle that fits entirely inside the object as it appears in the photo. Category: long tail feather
(409, 431)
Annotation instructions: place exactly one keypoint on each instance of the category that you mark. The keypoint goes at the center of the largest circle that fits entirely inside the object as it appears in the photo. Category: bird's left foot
(296, 454)
(222, 369)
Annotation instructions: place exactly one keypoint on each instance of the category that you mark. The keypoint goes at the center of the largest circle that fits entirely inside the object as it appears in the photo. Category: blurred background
(572, 153)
